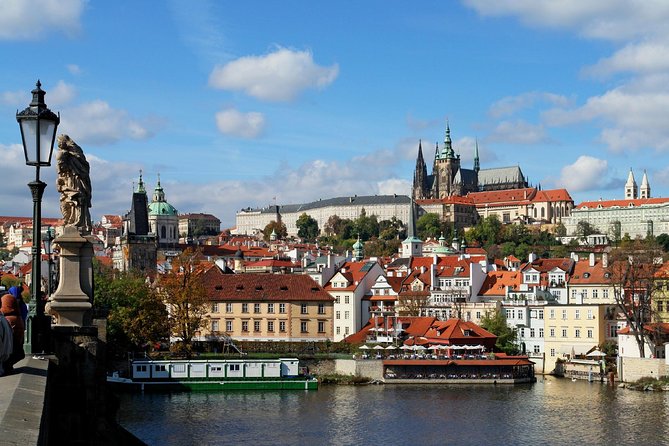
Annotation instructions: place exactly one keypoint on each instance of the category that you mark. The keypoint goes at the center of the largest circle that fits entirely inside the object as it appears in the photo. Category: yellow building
(267, 307)
(576, 329)
(661, 294)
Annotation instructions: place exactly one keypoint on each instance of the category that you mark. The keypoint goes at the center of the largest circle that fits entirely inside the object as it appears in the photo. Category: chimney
(605, 260)
(435, 259)
(422, 270)
(591, 260)
(532, 257)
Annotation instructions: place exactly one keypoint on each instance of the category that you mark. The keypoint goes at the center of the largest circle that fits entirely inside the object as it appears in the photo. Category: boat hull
(210, 386)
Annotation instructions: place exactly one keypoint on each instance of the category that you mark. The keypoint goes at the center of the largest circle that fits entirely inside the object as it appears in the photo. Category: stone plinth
(71, 303)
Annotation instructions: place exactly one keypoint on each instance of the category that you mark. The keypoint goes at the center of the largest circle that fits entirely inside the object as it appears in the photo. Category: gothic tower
(419, 190)
(630, 187)
(644, 190)
(446, 165)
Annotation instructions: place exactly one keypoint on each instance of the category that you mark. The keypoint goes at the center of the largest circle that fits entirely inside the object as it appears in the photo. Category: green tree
(428, 225)
(307, 227)
(279, 229)
(366, 226)
(390, 229)
(186, 298)
(560, 230)
(495, 323)
(663, 241)
(136, 318)
(584, 229)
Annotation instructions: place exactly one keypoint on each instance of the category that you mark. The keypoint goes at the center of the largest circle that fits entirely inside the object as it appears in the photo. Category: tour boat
(215, 374)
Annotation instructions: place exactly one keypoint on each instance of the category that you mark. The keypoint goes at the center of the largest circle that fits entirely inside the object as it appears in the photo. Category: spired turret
(630, 187)
(644, 190)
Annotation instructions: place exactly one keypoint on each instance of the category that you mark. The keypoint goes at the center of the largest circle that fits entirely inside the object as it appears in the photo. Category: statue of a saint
(74, 184)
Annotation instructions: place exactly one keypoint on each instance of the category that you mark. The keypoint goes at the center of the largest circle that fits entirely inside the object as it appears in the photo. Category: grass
(335, 378)
(649, 383)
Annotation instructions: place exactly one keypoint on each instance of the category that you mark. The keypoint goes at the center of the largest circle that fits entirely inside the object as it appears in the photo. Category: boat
(213, 375)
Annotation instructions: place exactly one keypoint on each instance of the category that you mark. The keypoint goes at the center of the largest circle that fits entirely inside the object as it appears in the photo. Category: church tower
(419, 190)
(163, 218)
(412, 246)
(630, 187)
(446, 165)
(644, 190)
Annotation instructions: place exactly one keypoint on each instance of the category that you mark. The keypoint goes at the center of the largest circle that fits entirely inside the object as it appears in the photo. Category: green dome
(358, 245)
(161, 208)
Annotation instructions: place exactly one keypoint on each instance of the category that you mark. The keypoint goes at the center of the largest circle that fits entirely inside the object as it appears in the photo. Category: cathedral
(448, 178)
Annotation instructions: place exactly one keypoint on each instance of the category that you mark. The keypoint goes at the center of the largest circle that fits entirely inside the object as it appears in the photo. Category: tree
(365, 226)
(136, 317)
(333, 225)
(495, 323)
(307, 227)
(560, 230)
(186, 298)
(428, 225)
(279, 229)
(584, 229)
(632, 276)
(390, 229)
(663, 241)
(413, 303)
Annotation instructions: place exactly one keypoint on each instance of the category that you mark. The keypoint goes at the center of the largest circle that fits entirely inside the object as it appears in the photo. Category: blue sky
(250, 103)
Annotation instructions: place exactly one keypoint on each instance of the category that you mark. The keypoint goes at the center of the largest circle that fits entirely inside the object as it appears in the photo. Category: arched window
(543, 212)
(163, 232)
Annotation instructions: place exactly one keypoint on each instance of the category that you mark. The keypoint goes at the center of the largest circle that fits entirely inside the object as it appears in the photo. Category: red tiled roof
(553, 195)
(595, 274)
(496, 282)
(262, 287)
(621, 203)
(502, 196)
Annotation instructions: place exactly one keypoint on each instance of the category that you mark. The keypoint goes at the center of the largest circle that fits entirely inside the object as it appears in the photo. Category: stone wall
(632, 369)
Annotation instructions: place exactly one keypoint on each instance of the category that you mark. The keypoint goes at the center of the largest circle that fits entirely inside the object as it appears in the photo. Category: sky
(247, 104)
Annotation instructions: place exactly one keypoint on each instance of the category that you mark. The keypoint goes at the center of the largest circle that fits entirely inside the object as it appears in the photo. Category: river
(552, 411)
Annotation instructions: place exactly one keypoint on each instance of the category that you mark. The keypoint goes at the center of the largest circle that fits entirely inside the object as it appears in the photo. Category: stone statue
(74, 184)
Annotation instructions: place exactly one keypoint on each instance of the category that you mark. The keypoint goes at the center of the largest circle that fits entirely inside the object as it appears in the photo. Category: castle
(448, 178)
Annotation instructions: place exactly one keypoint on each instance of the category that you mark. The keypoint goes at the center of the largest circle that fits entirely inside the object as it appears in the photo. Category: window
(552, 314)
(321, 326)
(660, 306)
(228, 326)
(245, 325)
(577, 332)
(552, 352)
(347, 314)
(551, 332)
(594, 294)
(337, 314)
(282, 308)
(270, 326)
(228, 308)
(214, 325)
(336, 300)
(303, 309)
(541, 314)
(509, 314)
(564, 332)
(159, 368)
(346, 299)
(521, 314)
(214, 308)
(321, 308)
(577, 314)
(338, 330)
(564, 315)
(541, 332)
(573, 293)
(282, 326)
(590, 332)
(532, 332)
(536, 349)
(605, 294)
(346, 331)
(590, 316)
(522, 332)
(478, 315)
(234, 367)
(256, 325)
(256, 308)
(270, 308)
(245, 308)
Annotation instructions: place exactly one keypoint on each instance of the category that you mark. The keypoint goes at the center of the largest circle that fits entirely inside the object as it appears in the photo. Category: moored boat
(214, 375)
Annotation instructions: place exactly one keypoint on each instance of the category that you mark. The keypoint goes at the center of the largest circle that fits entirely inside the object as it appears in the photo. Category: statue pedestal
(71, 303)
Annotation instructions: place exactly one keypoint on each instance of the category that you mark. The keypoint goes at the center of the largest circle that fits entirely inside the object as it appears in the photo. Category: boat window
(179, 368)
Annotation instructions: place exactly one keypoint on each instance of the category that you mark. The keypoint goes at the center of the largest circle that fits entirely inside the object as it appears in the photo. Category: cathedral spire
(630, 186)
(420, 174)
(448, 147)
(644, 190)
(477, 165)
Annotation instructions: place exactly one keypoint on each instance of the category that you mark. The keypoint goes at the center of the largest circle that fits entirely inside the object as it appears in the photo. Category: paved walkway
(22, 401)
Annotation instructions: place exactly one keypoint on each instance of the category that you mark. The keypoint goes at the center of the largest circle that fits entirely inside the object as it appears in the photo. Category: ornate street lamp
(38, 132)
(49, 235)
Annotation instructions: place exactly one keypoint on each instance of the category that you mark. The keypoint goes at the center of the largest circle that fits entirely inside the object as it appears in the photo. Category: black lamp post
(38, 132)
(48, 250)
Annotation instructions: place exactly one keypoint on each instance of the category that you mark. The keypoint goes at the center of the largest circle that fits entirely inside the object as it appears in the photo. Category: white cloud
(518, 132)
(244, 125)
(73, 69)
(97, 122)
(279, 76)
(15, 98)
(31, 20)
(586, 173)
(604, 19)
(61, 94)
(645, 57)
(512, 104)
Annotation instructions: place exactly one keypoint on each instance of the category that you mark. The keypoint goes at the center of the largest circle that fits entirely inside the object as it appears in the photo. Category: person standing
(12, 312)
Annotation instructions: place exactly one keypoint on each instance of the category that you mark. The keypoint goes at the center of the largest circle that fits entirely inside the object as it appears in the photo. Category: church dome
(161, 208)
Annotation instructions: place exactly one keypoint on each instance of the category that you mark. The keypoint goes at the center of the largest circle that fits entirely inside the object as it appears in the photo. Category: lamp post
(38, 131)
(48, 250)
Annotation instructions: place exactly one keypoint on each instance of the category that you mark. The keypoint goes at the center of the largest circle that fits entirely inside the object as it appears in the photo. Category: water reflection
(552, 411)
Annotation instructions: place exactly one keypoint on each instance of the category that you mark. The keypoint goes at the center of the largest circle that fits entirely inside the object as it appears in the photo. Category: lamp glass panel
(29, 132)
(47, 129)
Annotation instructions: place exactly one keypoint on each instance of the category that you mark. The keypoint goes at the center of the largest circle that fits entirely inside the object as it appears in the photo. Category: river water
(552, 411)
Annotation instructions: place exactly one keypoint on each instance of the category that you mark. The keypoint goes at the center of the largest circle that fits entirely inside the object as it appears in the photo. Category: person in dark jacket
(10, 308)
(23, 307)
